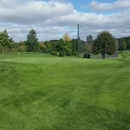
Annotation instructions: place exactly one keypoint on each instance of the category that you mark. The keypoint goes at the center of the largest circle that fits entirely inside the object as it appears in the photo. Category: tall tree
(11, 42)
(74, 46)
(4, 39)
(66, 45)
(104, 43)
(32, 41)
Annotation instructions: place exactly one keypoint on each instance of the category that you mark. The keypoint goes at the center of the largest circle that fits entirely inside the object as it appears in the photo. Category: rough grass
(41, 92)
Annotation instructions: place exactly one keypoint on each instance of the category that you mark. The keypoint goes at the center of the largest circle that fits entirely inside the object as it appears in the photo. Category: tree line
(104, 44)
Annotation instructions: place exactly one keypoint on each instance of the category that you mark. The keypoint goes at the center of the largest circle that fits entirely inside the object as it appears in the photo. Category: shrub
(54, 53)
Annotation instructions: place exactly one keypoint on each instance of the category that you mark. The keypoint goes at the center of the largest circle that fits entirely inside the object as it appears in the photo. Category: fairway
(44, 92)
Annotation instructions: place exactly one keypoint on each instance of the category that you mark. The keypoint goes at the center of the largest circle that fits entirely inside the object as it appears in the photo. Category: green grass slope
(41, 92)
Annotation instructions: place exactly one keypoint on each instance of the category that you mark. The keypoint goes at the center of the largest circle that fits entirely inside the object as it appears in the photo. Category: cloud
(54, 18)
(119, 4)
(30, 11)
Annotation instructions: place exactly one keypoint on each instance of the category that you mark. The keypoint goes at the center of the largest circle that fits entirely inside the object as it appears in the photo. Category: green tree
(4, 39)
(88, 47)
(22, 48)
(74, 46)
(81, 46)
(32, 41)
(11, 42)
(48, 48)
(42, 46)
(122, 46)
(64, 48)
(104, 44)
(65, 45)
(126, 40)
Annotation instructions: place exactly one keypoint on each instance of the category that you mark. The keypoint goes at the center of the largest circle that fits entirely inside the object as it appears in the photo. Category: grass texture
(44, 92)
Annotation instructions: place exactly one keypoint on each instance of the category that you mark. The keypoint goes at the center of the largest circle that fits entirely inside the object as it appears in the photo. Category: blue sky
(53, 18)
(82, 5)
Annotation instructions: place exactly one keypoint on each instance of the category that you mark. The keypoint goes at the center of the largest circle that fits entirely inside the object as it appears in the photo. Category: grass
(44, 92)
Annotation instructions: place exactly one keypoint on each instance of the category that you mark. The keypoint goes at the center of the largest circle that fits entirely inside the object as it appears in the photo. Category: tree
(104, 44)
(66, 37)
(74, 46)
(64, 48)
(32, 41)
(11, 42)
(126, 40)
(122, 46)
(4, 39)
(42, 46)
(47, 46)
(88, 47)
(81, 46)
(65, 45)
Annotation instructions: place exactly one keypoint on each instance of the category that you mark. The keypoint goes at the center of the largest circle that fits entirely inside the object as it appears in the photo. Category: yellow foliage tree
(66, 37)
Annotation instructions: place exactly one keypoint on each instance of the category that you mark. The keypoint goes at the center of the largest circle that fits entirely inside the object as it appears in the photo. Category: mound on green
(44, 92)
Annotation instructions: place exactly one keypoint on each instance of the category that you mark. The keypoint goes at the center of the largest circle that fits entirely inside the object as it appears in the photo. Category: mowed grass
(44, 92)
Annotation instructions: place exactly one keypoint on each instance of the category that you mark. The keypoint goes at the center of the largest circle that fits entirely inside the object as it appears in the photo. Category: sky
(51, 19)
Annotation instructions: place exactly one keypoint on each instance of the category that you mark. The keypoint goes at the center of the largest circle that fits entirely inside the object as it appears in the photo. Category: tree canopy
(66, 37)
(4, 39)
(126, 40)
(104, 43)
(122, 46)
(32, 41)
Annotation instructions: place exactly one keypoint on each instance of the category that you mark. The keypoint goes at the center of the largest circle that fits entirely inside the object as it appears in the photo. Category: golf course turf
(44, 92)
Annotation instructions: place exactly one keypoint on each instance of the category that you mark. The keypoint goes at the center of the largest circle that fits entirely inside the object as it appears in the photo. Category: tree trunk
(3, 50)
(103, 55)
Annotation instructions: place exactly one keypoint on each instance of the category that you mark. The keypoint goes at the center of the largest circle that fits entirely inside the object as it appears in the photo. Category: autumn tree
(66, 37)
(65, 45)
(104, 44)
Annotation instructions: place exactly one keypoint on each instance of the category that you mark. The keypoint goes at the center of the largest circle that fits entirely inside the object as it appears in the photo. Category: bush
(74, 53)
(54, 53)
(22, 48)
(68, 53)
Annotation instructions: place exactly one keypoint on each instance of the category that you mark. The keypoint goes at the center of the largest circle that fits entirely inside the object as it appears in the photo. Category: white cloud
(32, 11)
(119, 4)
(54, 18)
